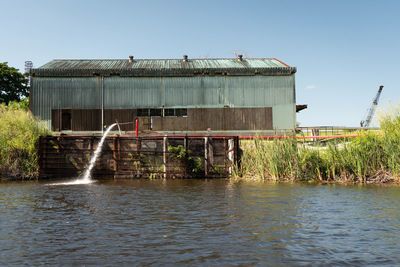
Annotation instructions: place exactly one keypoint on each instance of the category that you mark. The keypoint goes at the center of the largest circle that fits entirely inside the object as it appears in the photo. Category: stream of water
(198, 222)
(86, 178)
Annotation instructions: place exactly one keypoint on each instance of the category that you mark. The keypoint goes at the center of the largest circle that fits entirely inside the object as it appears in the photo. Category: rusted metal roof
(163, 67)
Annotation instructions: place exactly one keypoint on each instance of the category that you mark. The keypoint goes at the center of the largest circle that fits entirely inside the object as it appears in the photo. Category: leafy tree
(19, 105)
(13, 84)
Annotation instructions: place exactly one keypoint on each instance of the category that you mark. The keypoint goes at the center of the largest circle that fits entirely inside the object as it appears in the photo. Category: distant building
(182, 96)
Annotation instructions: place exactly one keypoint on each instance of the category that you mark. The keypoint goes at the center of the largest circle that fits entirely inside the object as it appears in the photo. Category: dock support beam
(139, 159)
(116, 154)
(165, 150)
(205, 156)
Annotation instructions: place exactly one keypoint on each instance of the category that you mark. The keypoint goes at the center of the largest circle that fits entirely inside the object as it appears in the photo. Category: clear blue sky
(343, 50)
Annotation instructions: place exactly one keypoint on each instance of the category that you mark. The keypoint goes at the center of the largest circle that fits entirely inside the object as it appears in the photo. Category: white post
(230, 154)
(102, 103)
(165, 150)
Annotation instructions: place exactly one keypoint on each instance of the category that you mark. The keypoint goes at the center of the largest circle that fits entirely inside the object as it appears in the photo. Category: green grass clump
(278, 159)
(371, 157)
(19, 133)
(390, 128)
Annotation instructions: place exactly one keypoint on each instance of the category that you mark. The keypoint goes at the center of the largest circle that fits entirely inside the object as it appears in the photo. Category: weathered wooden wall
(90, 119)
(67, 156)
(217, 119)
(197, 119)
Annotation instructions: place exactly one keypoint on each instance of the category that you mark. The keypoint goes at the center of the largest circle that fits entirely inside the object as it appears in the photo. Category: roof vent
(240, 57)
(185, 58)
(130, 59)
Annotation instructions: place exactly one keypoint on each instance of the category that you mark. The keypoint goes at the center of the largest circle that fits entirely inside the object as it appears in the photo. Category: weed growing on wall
(192, 164)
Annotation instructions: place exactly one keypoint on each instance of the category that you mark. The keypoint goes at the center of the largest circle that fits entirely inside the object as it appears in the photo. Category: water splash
(86, 178)
(87, 175)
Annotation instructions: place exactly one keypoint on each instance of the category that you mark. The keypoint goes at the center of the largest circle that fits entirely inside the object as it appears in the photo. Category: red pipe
(137, 128)
(302, 137)
(282, 62)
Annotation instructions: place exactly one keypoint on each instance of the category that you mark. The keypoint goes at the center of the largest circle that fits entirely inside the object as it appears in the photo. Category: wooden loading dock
(66, 156)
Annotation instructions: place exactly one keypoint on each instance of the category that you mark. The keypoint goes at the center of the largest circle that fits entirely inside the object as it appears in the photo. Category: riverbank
(368, 158)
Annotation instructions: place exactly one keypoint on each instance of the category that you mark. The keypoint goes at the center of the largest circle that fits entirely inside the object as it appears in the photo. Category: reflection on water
(75, 182)
(201, 222)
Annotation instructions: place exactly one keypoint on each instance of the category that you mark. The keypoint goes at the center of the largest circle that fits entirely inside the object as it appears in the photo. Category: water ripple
(198, 222)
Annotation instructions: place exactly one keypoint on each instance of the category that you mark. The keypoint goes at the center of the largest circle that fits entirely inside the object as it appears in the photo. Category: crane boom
(372, 109)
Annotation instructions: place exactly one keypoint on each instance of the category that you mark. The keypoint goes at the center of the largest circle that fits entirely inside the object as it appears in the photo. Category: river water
(198, 222)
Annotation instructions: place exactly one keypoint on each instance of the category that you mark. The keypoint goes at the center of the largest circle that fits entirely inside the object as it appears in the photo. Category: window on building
(169, 112)
(181, 112)
(143, 112)
(155, 112)
(175, 112)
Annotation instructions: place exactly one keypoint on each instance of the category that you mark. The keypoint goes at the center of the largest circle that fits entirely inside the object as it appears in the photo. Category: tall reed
(19, 132)
(368, 157)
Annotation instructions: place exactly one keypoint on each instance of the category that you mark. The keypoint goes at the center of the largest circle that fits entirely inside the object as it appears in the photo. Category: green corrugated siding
(137, 92)
(205, 91)
(132, 92)
(59, 93)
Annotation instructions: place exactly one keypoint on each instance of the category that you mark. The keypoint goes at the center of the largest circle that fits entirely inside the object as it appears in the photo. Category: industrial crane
(372, 109)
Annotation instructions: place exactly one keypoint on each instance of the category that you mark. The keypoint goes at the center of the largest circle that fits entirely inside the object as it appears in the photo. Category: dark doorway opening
(66, 120)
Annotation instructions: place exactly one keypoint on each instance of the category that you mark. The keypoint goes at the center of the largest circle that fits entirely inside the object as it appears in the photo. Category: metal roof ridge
(142, 59)
(160, 68)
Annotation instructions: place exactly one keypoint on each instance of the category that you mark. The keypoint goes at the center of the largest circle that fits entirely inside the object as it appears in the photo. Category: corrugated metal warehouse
(183, 96)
